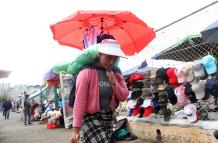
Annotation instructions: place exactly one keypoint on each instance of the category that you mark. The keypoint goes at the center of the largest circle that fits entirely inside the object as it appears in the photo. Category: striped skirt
(97, 128)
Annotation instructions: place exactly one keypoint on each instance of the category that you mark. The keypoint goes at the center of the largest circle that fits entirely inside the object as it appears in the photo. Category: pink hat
(180, 74)
(180, 94)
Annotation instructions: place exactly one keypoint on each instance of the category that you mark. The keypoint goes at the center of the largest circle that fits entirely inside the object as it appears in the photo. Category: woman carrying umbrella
(97, 93)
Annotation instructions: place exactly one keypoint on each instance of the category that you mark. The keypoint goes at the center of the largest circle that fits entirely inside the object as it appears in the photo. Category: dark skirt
(97, 128)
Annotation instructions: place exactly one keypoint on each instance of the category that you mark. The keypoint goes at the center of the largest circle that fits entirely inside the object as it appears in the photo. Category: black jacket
(7, 105)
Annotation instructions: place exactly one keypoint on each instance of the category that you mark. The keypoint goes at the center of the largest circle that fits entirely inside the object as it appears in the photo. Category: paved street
(13, 131)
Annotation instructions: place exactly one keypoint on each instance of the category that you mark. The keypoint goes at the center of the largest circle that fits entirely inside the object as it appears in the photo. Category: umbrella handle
(102, 21)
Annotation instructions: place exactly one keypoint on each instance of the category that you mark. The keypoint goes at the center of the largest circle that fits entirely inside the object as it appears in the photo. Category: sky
(27, 47)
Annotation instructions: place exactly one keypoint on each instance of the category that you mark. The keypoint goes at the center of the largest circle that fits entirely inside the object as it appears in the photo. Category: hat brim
(111, 49)
(211, 70)
(192, 118)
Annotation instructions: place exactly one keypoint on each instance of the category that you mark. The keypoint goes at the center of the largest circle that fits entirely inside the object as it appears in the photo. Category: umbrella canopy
(4, 74)
(131, 32)
(210, 34)
(188, 49)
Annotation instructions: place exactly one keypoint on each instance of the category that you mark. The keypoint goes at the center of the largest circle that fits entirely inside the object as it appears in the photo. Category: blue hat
(209, 63)
(211, 86)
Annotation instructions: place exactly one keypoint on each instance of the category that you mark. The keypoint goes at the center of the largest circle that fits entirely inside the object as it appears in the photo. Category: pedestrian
(7, 107)
(98, 92)
(27, 108)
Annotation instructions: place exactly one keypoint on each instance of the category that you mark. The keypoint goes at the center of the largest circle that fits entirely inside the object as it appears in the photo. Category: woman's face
(107, 61)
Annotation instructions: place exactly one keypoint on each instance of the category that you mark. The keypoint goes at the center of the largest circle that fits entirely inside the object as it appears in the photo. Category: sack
(72, 96)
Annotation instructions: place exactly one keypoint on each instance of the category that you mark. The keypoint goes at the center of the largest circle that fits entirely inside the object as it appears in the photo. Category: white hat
(146, 103)
(180, 74)
(131, 104)
(198, 70)
(198, 88)
(111, 47)
(188, 70)
(191, 112)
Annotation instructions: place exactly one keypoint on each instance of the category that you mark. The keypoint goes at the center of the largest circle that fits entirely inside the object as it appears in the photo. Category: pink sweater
(87, 94)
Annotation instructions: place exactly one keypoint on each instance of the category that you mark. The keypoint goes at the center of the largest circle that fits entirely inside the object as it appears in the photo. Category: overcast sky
(26, 44)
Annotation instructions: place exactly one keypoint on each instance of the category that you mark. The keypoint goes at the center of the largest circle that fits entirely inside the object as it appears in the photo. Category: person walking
(27, 108)
(98, 92)
(6, 109)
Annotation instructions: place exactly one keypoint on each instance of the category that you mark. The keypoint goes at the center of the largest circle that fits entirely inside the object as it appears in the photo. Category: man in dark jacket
(7, 107)
(27, 109)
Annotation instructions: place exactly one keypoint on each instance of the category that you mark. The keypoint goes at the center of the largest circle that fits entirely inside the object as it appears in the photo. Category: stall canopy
(37, 93)
(188, 49)
(4, 73)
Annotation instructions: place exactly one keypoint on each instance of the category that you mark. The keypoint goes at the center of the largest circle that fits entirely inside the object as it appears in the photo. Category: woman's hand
(75, 135)
(111, 77)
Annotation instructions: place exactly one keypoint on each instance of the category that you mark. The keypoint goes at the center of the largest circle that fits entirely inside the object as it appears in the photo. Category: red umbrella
(131, 32)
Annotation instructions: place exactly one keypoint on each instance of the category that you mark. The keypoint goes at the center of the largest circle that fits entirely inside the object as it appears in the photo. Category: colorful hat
(199, 71)
(198, 88)
(180, 74)
(210, 64)
(171, 76)
(180, 94)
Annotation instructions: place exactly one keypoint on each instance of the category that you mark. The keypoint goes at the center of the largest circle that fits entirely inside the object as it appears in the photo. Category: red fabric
(136, 111)
(53, 83)
(137, 76)
(148, 111)
(132, 33)
(171, 76)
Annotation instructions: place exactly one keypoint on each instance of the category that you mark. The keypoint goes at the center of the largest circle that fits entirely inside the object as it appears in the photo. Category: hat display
(199, 71)
(181, 86)
(211, 87)
(180, 94)
(162, 98)
(167, 114)
(131, 104)
(153, 88)
(160, 75)
(146, 103)
(210, 64)
(110, 47)
(180, 74)
(136, 111)
(190, 94)
(145, 92)
(171, 95)
(171, 76)
(162, 86)
(198, 88)
(142, 83)
(139, 102)
(136, 76)
(191, 112)
(188, 70)
(153, 74)
(136, 94)
(148, 111)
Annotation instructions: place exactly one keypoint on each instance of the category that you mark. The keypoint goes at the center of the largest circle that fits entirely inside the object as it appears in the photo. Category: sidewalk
(14, 131)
